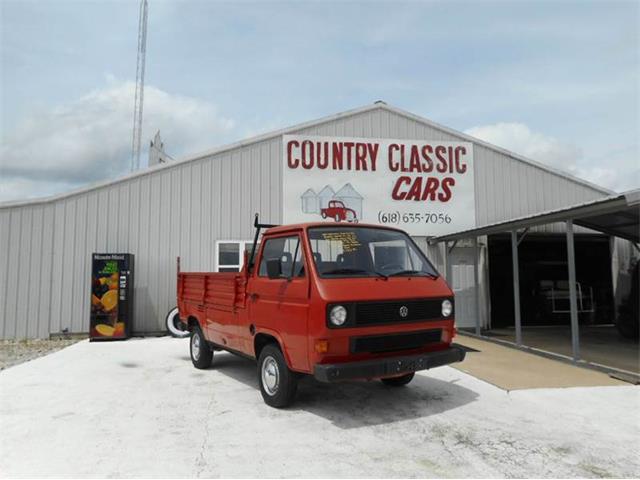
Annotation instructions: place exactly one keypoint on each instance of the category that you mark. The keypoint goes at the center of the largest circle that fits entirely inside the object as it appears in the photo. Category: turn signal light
(322, 346)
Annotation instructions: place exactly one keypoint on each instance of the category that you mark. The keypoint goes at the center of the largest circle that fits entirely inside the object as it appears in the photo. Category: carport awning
(618, 215)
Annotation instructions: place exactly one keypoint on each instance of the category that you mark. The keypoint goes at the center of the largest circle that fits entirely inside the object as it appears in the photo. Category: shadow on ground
(357, 404)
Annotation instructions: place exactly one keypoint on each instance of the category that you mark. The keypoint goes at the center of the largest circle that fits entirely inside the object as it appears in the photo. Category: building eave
(293, 129)
(579, 213)
(194, 157)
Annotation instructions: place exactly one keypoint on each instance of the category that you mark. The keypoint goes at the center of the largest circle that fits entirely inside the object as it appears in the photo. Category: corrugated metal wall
(182, 209)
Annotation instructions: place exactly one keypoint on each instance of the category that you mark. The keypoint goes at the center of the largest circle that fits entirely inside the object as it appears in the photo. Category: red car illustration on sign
(337, 210)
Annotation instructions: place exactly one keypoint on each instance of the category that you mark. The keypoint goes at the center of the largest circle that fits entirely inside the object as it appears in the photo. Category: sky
(555, 81)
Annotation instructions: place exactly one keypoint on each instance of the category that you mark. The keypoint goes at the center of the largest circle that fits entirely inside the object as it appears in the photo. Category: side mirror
(274, 268)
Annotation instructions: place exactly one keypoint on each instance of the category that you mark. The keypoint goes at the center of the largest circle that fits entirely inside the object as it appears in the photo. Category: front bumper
(389, 366)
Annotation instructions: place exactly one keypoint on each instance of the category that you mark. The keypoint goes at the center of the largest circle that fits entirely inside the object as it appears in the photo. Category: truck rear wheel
(201, 352)
(278, 384)
(398, 381)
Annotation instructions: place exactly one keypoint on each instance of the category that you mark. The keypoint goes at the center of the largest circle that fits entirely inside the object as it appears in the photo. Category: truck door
(282, 304)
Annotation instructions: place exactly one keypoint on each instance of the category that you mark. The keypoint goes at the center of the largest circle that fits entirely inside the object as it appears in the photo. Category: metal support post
(516, 286)
(476, 275)
(573, 298)
(447, 264)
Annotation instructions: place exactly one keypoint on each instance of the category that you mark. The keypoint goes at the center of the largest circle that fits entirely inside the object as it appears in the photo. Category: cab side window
(289, 251)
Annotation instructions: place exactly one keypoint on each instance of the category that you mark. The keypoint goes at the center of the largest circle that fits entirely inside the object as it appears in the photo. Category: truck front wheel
(278, 384)
(201, 352)
(398, 381)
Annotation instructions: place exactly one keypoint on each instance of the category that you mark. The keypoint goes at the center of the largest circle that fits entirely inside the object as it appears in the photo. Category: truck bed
(222, 291)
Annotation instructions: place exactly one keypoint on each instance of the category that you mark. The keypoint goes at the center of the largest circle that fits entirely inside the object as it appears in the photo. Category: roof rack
(258, 226)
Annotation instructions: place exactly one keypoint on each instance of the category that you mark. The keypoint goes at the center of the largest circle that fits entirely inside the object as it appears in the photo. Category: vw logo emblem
(404, 311)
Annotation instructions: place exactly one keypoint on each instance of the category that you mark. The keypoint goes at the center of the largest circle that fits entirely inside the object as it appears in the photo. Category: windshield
(366, 251)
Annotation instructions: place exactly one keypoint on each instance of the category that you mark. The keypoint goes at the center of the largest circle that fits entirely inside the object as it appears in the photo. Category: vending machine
(111, 296)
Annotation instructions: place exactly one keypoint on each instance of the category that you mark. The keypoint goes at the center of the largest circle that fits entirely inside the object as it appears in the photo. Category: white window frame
(242, 244)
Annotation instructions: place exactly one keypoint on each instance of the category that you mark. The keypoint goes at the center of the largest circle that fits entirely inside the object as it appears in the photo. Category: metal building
(201, 209)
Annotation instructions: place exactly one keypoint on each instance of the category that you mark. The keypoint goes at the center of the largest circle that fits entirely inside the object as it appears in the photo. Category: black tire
(201, 352)
(324, 214)
(281, 393)
(171, 321)
(398, 381)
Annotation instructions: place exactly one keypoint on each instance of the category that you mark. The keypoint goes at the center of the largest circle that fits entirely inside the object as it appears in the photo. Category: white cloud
(20, 188)
(520, 139)
(89, 139)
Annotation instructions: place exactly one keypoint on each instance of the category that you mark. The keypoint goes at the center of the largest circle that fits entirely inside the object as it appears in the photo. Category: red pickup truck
(339, 212)
(336, 301)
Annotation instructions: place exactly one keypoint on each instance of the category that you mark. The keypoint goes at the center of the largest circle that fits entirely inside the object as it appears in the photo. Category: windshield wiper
(413, 272)
(346, 270)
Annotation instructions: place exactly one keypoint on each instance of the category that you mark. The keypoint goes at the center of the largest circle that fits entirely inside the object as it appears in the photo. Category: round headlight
(447, 308)
(338, 315)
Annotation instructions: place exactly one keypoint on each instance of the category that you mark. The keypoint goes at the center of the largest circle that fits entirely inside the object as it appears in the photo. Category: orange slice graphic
(105, 330)
(110, 300)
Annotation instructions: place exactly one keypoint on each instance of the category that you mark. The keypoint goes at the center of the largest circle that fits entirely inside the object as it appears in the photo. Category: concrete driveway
(138, 408)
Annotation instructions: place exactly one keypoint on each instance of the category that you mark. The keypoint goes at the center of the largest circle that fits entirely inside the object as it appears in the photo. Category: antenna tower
(139, 97)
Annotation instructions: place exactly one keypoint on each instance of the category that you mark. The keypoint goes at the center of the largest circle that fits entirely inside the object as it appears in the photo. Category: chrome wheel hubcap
(195, 346)
(270, 376)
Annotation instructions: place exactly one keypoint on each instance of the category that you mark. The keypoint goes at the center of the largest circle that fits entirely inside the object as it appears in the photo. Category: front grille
(390, 343)
(376, 313)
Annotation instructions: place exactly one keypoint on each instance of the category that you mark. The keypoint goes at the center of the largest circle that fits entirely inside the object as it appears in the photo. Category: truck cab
(333, 300)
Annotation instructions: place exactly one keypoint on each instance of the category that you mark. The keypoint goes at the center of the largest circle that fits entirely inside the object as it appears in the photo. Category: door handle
(253, 297)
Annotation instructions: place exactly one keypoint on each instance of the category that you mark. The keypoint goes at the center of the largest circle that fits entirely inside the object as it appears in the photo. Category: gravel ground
(14, 352)
(139, 409)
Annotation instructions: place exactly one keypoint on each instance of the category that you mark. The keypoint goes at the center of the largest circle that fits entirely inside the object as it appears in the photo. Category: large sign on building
(424, 187)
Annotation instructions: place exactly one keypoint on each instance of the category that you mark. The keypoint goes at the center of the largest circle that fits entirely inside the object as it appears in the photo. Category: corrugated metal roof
(379, 105)
(617, 215)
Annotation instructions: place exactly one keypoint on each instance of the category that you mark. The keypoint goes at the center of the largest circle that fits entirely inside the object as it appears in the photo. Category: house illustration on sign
(325, 196)
(351, 198)
(310, 201)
